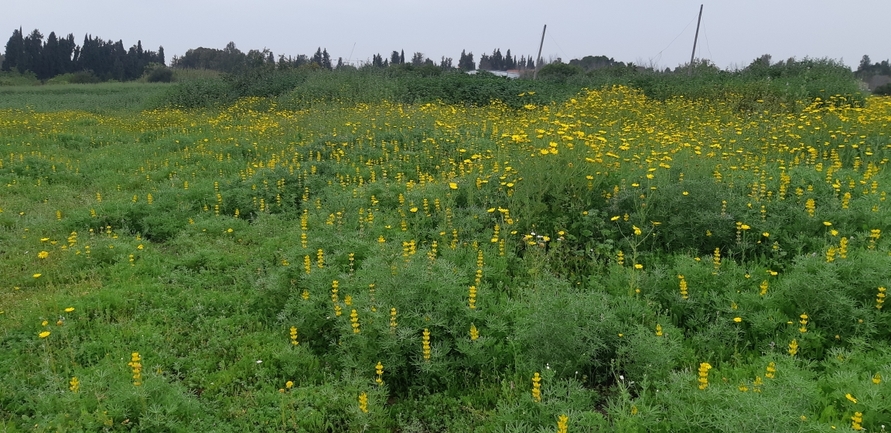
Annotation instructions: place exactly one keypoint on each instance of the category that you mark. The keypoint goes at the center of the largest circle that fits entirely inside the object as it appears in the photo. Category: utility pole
(538, 60)
(695, 38)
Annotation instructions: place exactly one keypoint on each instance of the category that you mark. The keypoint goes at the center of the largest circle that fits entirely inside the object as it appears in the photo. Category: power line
(551, 38)
(707, 46)
(659, 54)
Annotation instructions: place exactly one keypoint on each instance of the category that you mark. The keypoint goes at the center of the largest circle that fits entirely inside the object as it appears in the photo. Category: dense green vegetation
(785, 86)
(407, 249)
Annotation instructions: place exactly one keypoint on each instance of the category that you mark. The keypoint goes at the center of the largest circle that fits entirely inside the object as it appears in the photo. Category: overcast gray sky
(660, 32)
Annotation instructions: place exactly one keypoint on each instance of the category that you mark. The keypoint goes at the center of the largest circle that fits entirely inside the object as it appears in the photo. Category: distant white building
(513, 73)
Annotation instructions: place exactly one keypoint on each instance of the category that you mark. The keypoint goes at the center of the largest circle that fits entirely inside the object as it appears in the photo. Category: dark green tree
(31, 59)
(377, 61)
(417, 59)
(326, 59)
(51, 62)
(15, 50)
(865, 64)
(497, 60)
(465, 62)
(486, 63)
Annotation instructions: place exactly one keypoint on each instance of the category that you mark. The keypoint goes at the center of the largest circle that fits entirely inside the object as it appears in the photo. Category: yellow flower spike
(363, 402)
(293, 336)
(135, 365)
(74, 384)
(354, 321)
(563, 422)
(425, 344)
(857, 421)
(536, 387)
(851, 398)
(393, 323)
(703, 375)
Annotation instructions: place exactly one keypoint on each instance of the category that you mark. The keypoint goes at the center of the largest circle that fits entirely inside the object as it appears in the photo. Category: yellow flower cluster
(135, 365)
(703, 374)
(683, 286)
(857, 421)
(562, 424)
(425, 344)
(293, 334)
(379, 370)
(354, 321)
(363, 402)
(536, 387)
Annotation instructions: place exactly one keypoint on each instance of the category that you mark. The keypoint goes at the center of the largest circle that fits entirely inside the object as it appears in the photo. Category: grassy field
(104, 98)
(605, 263)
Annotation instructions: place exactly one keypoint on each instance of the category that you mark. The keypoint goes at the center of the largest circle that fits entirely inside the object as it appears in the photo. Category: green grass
(198, 239)
(92, 98)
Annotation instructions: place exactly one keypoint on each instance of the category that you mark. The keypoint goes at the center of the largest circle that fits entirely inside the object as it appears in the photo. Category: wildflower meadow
(605, 261)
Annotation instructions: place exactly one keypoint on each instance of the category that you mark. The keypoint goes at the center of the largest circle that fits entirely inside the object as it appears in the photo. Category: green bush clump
(159, 74)
(884, 90)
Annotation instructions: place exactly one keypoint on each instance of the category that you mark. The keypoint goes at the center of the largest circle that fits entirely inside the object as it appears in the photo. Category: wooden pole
(538, 60)
(695, 38)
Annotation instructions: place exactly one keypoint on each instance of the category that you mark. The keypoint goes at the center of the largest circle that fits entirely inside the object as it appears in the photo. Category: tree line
(231, 60)
(104, 60)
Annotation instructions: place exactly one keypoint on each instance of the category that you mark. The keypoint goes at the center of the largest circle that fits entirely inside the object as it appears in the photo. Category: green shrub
(160, 74)
(883, 90)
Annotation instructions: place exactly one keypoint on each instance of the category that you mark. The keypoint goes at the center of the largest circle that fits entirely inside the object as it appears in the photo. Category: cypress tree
(15, 50)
